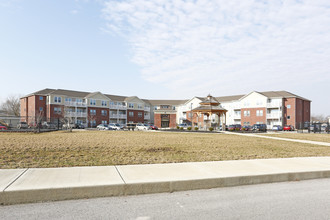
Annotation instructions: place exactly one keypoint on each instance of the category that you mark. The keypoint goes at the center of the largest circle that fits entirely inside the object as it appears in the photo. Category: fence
(314, 127)
(39, 124)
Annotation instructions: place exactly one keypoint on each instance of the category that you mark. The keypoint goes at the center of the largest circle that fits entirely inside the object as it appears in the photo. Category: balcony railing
(147, 117)
(273, 105)
(121, 116)
(183, 117)
(237, 116)
(118, 107)
(78, 104)
(147, 109)
(273, 115)
(76, 114)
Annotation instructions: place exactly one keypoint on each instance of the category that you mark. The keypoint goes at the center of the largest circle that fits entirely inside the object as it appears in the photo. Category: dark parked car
(246, 128)
(259, 127)
(236, 127)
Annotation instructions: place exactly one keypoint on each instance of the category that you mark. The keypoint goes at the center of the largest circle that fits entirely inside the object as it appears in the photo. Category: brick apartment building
(91, 109)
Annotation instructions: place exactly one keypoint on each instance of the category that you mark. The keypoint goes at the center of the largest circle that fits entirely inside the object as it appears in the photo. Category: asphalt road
(290, 200)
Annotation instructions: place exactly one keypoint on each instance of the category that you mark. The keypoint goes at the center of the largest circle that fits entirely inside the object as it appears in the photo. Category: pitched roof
(71, 93)
(167, 102)
(40, 92)
(229, 98)
(116, 97)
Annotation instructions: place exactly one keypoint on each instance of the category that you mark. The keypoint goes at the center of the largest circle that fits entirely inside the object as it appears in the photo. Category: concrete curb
(11, 195)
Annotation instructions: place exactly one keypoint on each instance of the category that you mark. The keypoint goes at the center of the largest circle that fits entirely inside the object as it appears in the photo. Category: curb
(84, 192)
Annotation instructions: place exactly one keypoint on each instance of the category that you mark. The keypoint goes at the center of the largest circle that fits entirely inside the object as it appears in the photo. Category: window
(139, 106)
(104, 103)
(41, 98)
(41, 109)
(260, 112)
(92, 102)
(57, 110)
(247, 113)
(68, 99)
(165, 106)
(289, 106)
(173, 107)
(92, 112)
(57, 99)
(93, 123)
(104, 122)
(130, 105)
(155, 107)
(104, 112)
(289, 117)
(140, 114)
(131, 114)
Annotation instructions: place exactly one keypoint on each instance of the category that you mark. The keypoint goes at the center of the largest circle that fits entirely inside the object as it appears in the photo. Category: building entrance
(165, 123)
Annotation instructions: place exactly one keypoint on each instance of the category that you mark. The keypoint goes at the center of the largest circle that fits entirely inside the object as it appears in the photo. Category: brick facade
(135, 118)
(252, 118)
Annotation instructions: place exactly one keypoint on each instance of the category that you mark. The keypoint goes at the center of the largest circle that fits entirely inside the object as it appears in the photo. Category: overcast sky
(167, 49)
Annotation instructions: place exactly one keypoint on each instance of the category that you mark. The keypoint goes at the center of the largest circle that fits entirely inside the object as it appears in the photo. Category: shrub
(196, 128)
(189, 128)
(181, 128)
(211, 129)
(237, 129)
(177, 127)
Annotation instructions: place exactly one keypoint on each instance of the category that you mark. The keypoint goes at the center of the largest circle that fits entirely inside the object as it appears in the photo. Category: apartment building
(91, 109)
(85, 108)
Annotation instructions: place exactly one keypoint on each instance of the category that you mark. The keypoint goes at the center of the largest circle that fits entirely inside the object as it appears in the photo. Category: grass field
(303, 136)
(99, 148)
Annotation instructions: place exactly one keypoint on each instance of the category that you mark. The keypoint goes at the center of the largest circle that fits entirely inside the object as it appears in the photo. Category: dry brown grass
(97, 148)
(303, 136)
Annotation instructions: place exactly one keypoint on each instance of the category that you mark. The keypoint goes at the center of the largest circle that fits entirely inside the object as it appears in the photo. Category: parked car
(68, 126)
(79, 126)
(235, 127)
(277, 128)
(288, 128)
(141, 126)
(2, 127)
(131, 126)
(183, 125)
(246, 128)
(226, 128)
(102, 127)
(114, 126)
(22, 125)
(48, 125)
(259, 127)
(153, 127)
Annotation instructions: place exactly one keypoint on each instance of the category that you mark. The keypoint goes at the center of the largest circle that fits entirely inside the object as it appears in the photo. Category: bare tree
(68, 119)
(90, 118)
(11, 106)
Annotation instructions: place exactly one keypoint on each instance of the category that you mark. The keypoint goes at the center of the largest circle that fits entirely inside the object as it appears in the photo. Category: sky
(167, 49)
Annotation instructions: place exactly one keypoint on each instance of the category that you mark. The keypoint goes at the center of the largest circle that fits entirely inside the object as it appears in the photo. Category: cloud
(198, 46)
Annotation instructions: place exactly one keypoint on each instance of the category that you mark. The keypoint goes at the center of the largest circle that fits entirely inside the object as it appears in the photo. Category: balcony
(237, 116)
(121, 107)
(114, 115)
(273, 116)
(122, 116)
(273, 105)
(76, 114)
(76, 104)
(147, 117)
(147, 109)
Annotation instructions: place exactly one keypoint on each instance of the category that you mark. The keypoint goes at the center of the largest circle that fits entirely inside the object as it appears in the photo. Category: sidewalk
(51, 184)
(279, 138)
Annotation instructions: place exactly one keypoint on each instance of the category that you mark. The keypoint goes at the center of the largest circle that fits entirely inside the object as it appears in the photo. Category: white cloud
(198, 46)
